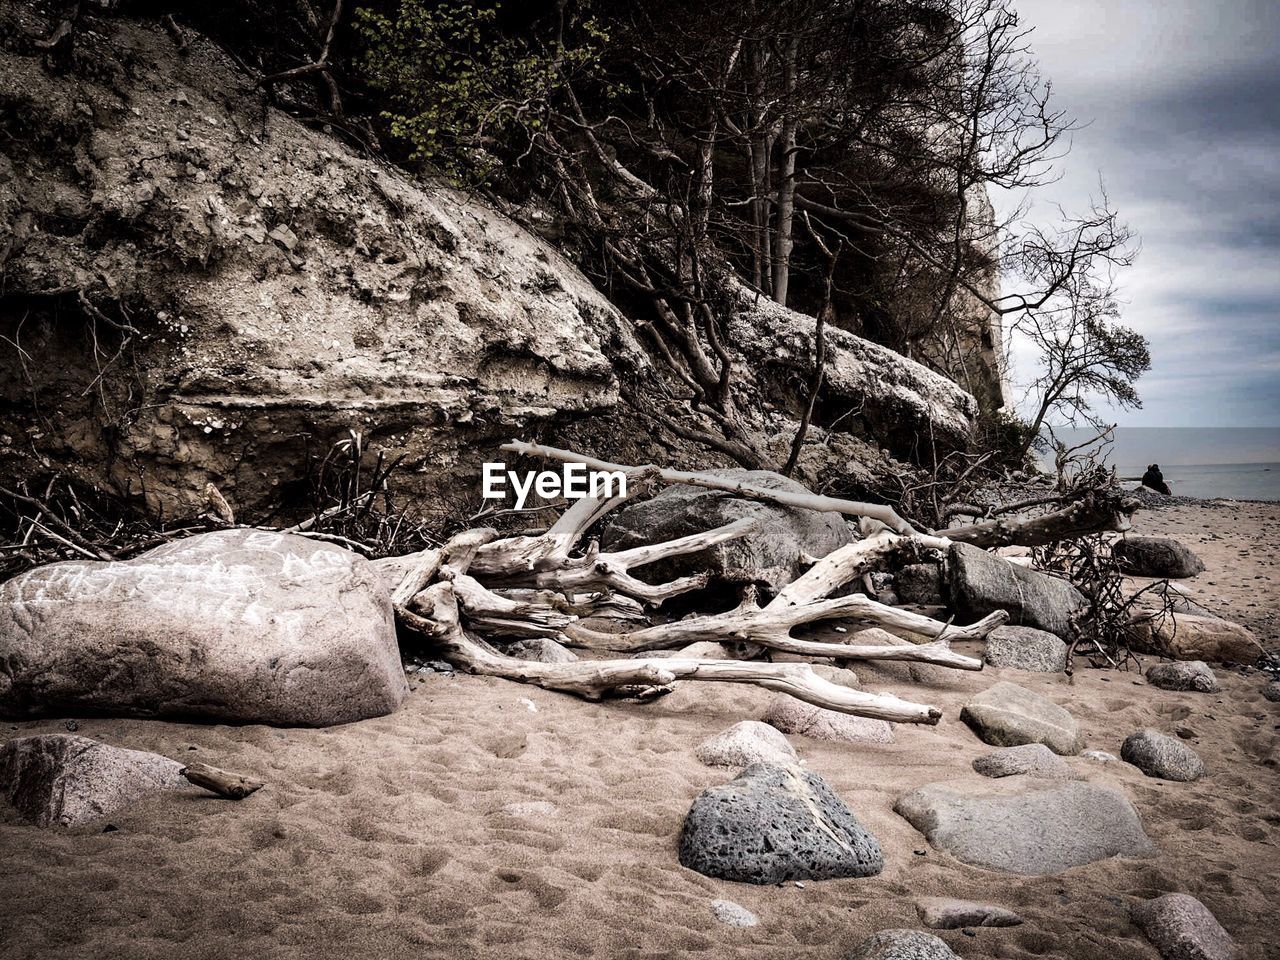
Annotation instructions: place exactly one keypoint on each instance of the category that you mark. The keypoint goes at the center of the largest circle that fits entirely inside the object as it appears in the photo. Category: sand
(387, 838)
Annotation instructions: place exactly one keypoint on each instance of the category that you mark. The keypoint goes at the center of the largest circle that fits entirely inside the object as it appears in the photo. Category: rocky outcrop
(774, 823)
(243, 625)
(62, 780)
(199, 288)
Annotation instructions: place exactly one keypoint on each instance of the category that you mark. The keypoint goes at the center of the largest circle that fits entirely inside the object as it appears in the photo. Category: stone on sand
(745, 743)
(943, 913)
(1183, 928)
(1183, 675)
(250, 626)
(898, 671)
(1158, 557)
(1271, 691)
(728, 912)
(1007, 715)
(1162, 756)
(1030, 759)
(981, 583)
(1025, 648)
(774, 823)
(902, 945)
(790, 715)
(1189, 636)
(63, 780)
(772, 556)
(1026, 825)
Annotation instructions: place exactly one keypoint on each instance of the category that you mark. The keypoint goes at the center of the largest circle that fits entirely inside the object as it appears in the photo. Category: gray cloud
(1183, 99)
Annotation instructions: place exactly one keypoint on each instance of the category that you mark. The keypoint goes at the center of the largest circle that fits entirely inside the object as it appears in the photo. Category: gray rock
(1025, 825)
(745, 743)
(1007, 715)
(541, 650)
(1030, 759)
(898, 671)
(63, 780)
(1156, 557)
(942, 913)
(1271, 691)
(981, 583)
(795, 716)
(1183, 928)
(1183, 675)
(1025, 648)
(772, 557)
(919, 583)
(728, 912)
(773, 823)
(245, 625)
(902, 945)
(1158, 755)
(1187, 636)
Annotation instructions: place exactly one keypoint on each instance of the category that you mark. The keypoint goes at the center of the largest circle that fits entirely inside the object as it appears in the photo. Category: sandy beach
(397, 837)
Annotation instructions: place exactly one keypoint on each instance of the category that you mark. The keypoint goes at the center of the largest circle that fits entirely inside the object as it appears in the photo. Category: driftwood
(1095, 512)
(233, 786)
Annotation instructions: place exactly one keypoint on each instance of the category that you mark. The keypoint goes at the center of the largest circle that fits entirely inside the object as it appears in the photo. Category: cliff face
(198, 288)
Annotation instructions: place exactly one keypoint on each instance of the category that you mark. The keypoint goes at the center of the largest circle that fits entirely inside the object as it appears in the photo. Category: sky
(1182, 104)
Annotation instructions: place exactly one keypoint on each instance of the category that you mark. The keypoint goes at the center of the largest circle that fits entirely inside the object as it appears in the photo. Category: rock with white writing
(242, 625)
(63, 780)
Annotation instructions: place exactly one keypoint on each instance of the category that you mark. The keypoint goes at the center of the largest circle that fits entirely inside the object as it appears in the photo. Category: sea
(1232, 463)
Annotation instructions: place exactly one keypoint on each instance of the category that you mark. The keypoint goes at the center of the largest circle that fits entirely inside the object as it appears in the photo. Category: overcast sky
(1183, 102)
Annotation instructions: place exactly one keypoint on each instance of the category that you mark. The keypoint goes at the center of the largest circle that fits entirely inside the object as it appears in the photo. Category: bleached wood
(596, 678)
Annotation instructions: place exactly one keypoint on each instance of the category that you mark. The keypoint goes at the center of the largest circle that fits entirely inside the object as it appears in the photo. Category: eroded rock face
(1156, 557)
(1007, 715)
(242, 625)
(62, 780)
(772, 556)
(1025, 825)
(774, 823)
(980, 583)
(285, 290)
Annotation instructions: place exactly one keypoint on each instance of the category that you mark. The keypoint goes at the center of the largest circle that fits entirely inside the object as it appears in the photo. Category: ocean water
(1234, 463)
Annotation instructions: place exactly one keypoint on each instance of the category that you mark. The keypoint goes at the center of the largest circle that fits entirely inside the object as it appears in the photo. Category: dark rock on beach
(1156, 557)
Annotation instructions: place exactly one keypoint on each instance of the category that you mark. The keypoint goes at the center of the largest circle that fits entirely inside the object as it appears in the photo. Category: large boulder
(1159, 755)
(771, 557)
(62, 780)
(981, 583)
(1025, 648)
(1156, 557)
(773, 823)
(1190, 636)
(1026, 825)
(241, 625)
(1183, 928)
(1007, 715)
